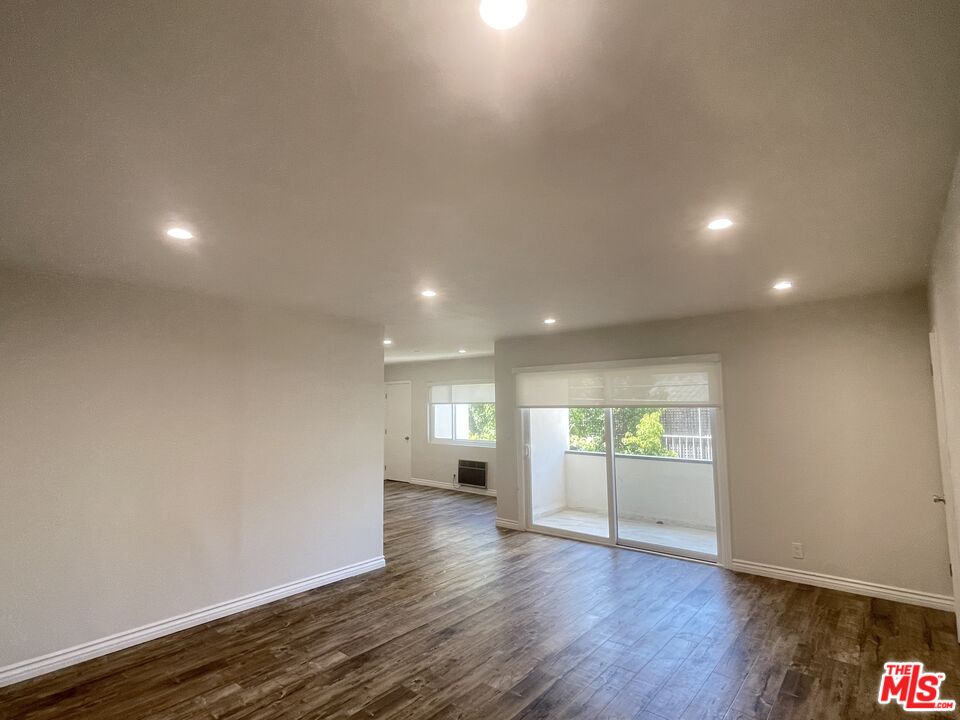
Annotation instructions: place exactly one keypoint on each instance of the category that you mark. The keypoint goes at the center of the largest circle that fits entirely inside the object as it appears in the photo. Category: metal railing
(690, 447)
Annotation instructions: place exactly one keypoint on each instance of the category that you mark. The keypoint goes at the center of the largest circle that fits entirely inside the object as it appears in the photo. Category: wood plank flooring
(469, 622)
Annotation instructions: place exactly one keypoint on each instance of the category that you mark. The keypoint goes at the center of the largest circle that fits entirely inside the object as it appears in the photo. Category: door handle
(939, 499)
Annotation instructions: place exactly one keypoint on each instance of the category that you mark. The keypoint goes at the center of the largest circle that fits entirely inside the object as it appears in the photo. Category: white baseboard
(27, 669)
(490, 492)
(507, 524)
(858, 587)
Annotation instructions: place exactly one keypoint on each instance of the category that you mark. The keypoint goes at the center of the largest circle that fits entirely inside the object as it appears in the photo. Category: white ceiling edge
(428, 357)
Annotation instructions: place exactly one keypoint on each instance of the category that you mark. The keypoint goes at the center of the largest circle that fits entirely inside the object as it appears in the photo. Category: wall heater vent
(472, 473)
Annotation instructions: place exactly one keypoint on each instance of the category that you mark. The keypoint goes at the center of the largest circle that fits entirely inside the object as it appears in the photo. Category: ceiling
(343, 155)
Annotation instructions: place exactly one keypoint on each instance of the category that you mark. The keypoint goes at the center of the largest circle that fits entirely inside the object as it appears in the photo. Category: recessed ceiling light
(428, 293)
(179, 233)
(387, 341)
(783, 285)
(462, 351)
(503, 14)
(549, 321)
(721, 223)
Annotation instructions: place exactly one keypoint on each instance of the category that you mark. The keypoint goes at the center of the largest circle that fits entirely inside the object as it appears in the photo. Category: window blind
(656, 383)
(462, 393)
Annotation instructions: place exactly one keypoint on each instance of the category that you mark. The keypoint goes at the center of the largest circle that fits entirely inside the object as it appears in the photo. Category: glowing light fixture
(503, 14)
(179, 233)
(782, 285)
(428, 293)
(549, 321)
(720, 224)
(462, 351)
(387, 341)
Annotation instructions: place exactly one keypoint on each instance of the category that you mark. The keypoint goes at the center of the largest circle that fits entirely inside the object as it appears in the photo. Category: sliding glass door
(568, 488)
(624, 453)
(664, 479)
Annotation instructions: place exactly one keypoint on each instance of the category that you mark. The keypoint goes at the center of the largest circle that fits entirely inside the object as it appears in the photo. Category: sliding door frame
(719, 481)
(526, 510)
(720, 494)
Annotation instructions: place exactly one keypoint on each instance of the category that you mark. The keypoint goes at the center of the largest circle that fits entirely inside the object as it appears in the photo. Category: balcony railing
(690, 447)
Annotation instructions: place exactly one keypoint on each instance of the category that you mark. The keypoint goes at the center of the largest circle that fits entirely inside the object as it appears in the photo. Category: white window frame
(432, 439)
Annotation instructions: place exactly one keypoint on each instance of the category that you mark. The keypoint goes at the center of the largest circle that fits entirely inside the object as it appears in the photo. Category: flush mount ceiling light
(179, 233)
(721, 223)
(782, 285)
(387, 341)
(428, 293)
(503, 14)
(462, 351)
(549, 321)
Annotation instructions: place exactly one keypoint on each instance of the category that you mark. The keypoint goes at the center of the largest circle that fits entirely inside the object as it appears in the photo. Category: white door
(396, 438)
(948, 496)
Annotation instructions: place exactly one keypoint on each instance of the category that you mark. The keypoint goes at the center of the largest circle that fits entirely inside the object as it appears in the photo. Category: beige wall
(830, 427)
(434, 461)
(161, 452)
(945, 319)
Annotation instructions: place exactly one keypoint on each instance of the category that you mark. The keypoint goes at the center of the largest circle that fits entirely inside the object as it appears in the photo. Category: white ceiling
(343, 155)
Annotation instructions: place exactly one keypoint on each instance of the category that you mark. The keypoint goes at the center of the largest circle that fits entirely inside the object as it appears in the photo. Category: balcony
(666, 502)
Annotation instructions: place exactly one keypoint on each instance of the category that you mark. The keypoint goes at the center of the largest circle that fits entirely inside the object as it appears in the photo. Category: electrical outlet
(798, 551)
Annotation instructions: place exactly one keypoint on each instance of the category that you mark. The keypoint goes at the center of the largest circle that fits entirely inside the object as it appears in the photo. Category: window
(623, 452)
(660, 407)
(463, 414)
(684, 433)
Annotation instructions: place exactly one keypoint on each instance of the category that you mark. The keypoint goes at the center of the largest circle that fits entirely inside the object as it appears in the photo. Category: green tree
(647, 439)
(638, 431)
(483, 422)
(586, 429)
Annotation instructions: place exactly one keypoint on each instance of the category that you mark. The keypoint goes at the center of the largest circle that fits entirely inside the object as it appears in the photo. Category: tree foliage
(647, 438)
(638, 431)
(483, 422)
(586, 429)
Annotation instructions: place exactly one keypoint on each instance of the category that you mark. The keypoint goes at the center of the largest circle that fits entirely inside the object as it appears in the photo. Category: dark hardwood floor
(468, 621)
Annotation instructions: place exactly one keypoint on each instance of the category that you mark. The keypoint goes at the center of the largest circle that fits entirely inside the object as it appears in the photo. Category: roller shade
(462, 393)
(658, 383)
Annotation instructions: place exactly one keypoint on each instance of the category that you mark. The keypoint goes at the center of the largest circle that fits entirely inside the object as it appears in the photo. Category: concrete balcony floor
(669, 536)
